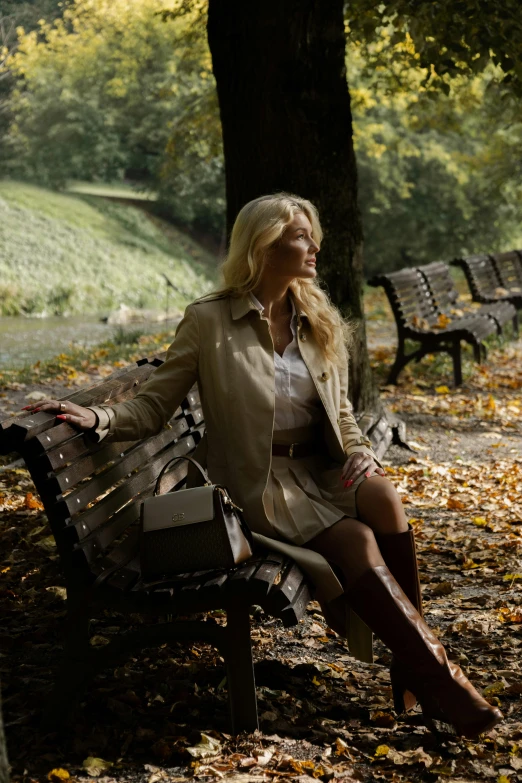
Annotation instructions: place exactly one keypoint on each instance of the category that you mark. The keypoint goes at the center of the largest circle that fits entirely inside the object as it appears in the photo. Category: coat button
(325, 376)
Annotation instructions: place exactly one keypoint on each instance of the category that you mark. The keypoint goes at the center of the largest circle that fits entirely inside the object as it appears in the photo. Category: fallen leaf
(207, 747)
(55, 775)
(36, 396)
(95, 766)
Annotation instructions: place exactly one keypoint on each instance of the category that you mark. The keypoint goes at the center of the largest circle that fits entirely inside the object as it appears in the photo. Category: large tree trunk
(287, 125)
(4, 766)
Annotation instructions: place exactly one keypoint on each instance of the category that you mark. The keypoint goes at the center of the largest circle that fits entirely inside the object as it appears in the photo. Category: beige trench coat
(225, 346)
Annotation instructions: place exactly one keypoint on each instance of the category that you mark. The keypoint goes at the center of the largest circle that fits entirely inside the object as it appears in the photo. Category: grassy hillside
(73, 253)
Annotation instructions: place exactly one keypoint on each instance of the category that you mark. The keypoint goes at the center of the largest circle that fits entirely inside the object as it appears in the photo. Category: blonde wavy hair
(258, 227)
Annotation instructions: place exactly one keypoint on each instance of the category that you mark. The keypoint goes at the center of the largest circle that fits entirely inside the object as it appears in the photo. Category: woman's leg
(444, 691)
(350, 545)
(379, 506)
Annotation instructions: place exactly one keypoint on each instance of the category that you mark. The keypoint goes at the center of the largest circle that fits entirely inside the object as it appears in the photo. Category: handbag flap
(174, 509)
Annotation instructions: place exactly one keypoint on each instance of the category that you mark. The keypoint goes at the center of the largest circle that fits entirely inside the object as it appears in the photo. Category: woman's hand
(356, 465)
(82, 418)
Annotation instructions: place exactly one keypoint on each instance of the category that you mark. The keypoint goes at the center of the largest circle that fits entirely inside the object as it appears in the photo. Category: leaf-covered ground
(161, 716)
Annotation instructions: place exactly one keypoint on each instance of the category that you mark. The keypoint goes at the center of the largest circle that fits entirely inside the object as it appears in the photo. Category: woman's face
(294, 254)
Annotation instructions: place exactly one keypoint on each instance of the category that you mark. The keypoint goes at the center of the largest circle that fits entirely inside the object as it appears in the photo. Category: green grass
(72, 253)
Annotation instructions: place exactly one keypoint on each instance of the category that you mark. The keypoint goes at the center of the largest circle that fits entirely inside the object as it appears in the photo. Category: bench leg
(73, 676)
(457, 362)
(480, 352)
(240, 672)
(401, 360)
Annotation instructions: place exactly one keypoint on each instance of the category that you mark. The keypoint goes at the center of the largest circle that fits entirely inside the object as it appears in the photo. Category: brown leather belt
(295, 450)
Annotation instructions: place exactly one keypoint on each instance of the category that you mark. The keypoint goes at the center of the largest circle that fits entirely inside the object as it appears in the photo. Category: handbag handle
(175, 459)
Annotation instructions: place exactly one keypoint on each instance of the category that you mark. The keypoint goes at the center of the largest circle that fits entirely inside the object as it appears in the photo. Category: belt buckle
(291, 450)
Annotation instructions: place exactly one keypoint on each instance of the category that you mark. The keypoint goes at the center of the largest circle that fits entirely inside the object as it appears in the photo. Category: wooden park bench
(91, 494)
(509, 270)
(419, 317)
(490, 277)
(446, 298)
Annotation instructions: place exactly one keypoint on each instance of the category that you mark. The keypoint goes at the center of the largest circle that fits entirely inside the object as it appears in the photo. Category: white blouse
(297, 403)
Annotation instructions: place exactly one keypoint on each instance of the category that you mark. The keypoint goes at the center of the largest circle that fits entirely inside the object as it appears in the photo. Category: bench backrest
(410, 299)
(481, 275)
(441, 285)
(508, 267)
(92, 492)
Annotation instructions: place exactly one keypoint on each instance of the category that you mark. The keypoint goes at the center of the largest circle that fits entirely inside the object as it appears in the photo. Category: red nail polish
(367, 474)
(26, 407)
(35, 410)
(349, 483)
(61, 417)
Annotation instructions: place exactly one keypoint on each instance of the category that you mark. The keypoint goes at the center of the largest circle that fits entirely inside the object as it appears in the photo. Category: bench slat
(100, 483)
(83, 468)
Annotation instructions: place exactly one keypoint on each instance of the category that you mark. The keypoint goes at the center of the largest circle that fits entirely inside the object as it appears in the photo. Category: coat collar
(241, 305)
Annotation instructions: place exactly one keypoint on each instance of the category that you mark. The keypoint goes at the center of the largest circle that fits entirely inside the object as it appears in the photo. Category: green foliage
(71, 254)
(449, 37)
(123, 88)
(113, 90)
(438, 174)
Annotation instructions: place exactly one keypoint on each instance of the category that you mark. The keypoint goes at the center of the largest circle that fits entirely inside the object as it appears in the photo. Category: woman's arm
(360, 457)
(169, 384)
(154, 404)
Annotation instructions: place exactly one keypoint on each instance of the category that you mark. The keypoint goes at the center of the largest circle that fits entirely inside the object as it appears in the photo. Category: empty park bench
(447, 301)
(418, 317)
(484, 274)
(92, 494)
(509, 270)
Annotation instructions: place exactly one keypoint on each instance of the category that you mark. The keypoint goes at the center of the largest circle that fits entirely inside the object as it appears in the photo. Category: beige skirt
(306, 496)
(303, 497)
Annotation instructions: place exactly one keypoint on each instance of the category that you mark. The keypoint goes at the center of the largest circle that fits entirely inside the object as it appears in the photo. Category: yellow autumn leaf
(509, 615)
(316, 681)
(382, 750)
(442, 389)
(491, 404)
(511, 577)
(480, 521)
(492, 690)
(58, 774)
(443, 321)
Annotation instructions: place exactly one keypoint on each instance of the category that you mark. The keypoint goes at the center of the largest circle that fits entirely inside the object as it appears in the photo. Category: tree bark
(287, 125)
(4, 765)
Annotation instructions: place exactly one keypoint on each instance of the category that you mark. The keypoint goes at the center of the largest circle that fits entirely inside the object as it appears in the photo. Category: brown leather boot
(443, 690)
(400, 555)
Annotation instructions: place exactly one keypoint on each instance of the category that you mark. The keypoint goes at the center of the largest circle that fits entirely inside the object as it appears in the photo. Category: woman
(269, 354)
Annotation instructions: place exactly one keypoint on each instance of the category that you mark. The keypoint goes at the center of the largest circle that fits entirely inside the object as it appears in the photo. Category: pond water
(25, 340)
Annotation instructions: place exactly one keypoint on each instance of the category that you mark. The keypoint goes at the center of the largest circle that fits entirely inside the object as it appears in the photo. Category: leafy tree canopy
(450, 37)
(115, 89)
